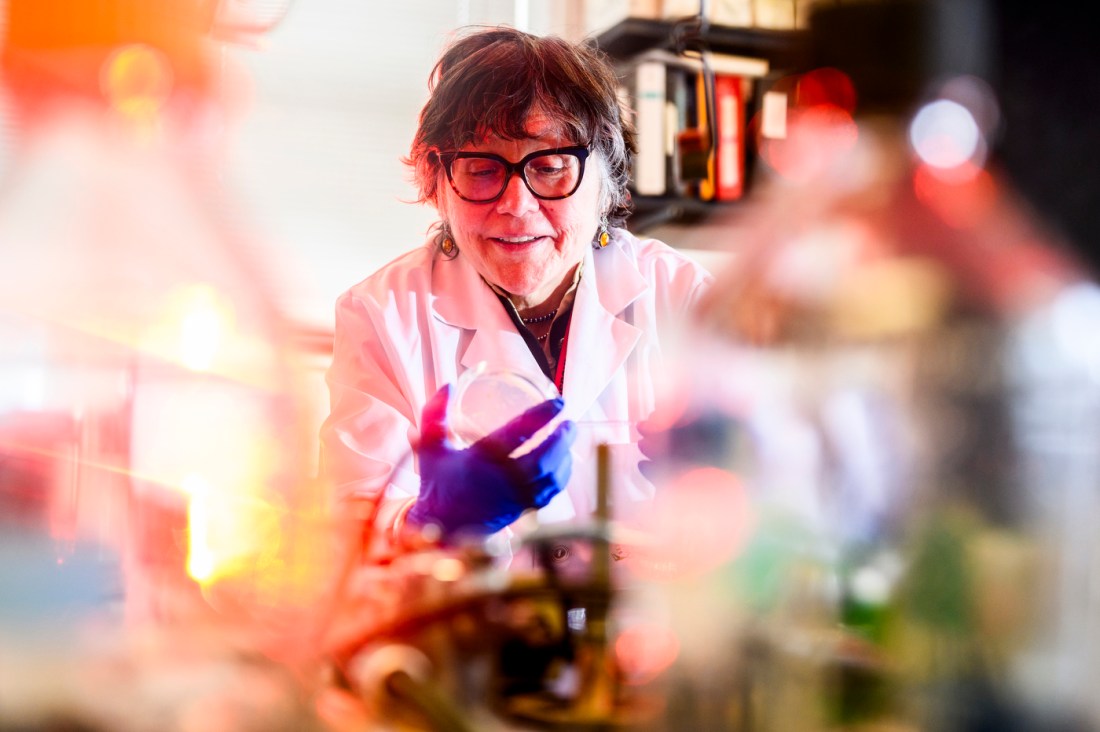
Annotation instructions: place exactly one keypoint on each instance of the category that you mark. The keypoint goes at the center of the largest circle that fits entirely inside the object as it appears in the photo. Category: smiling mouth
(517, 239)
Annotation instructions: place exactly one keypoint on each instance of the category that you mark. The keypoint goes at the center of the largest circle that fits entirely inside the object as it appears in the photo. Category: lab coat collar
(600, 338)
(464, 300)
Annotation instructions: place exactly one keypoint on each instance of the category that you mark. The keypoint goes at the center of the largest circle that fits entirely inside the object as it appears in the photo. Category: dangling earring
(602, 235)
(445, 239)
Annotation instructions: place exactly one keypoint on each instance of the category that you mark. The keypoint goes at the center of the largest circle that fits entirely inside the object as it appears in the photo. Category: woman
(523, 150)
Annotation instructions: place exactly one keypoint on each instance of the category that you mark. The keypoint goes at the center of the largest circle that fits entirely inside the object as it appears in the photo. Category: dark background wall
(1048, 81)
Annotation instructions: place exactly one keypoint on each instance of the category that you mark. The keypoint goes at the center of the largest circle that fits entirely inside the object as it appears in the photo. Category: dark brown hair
(490, 80)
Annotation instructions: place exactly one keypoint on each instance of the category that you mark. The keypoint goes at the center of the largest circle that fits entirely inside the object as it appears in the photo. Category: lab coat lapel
(464, 300)
(600, 338)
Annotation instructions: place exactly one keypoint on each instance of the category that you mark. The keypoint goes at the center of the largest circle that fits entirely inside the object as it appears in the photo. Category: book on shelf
(599, 16)
(766, 14)
(649, 97)
(691, 139)
(777, 14)
(733, 13)
(705, 101)
(679, 98)
(729, 157)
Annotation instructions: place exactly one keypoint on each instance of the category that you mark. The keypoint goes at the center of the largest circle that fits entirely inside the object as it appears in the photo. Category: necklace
(542, 337)
(540, 318)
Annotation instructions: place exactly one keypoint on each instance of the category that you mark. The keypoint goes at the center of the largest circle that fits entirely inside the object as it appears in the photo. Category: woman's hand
(480, 489)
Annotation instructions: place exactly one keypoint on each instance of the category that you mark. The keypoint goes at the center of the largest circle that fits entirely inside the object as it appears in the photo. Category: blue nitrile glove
(480, 489)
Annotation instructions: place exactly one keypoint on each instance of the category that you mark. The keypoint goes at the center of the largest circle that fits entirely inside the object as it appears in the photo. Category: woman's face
(525, 245)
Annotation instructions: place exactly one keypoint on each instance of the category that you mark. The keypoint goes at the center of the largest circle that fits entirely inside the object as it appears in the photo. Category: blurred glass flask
(149, 399)
(900, 341)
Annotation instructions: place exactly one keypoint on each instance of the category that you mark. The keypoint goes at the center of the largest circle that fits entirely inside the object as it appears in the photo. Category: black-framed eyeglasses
(483, 177)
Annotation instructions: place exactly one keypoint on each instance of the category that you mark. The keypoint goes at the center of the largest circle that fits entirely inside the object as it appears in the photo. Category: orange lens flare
(194, 328)
(228, 534)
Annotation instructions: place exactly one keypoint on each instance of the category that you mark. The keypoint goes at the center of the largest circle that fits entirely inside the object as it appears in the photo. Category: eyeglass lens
(554, 175)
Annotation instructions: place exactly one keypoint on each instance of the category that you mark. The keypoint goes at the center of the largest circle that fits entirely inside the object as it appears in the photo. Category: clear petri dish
(485, 400)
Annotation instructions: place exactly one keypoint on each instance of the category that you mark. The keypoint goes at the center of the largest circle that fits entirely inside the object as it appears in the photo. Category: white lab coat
(424, 319)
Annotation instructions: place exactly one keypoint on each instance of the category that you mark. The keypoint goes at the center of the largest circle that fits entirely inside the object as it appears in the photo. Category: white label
(774, 116)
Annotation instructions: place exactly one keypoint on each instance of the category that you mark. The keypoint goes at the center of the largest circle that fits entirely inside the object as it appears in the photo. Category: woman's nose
(517, 198)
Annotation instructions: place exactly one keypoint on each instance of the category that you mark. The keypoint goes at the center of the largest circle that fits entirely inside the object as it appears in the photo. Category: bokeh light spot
(698, 521)
(826, 87)
(961, 199)
(137, 81)
(944, 134)
(816, 138)
(644, 651)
